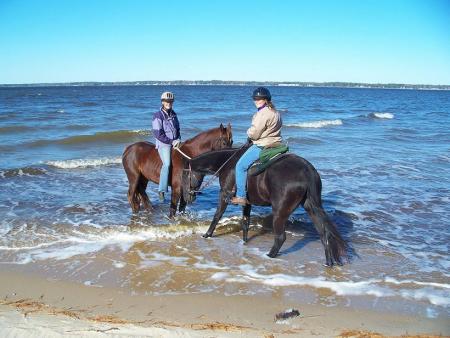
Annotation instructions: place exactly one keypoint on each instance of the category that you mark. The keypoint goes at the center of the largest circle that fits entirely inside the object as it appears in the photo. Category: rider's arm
(178, 127)
(259, 123)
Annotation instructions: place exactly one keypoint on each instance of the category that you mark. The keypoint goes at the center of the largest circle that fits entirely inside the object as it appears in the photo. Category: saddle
(267, 157)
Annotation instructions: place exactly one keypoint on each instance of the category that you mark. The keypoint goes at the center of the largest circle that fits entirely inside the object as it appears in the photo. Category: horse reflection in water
(142, 163)
(286, 184)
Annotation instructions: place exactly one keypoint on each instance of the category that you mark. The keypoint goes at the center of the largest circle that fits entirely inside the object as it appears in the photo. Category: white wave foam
(82, 243)
(433, 296)
(84, 163)
(348, 288)
(316, 124)
(119, 265)
(410, 281)
(208, 265)
(371, 287)
(379, 115)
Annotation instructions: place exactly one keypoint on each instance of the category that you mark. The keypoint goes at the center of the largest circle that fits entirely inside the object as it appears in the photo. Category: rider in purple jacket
(166, 129)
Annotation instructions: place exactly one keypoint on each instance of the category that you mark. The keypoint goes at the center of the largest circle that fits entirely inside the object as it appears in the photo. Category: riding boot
(239, 200)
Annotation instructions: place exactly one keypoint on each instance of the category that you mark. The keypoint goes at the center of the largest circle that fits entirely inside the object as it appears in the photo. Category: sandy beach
(32, 306)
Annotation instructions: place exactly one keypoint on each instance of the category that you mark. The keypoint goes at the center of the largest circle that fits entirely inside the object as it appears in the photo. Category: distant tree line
(240, 83)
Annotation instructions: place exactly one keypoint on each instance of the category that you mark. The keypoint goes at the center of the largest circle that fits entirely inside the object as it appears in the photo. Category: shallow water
(383, 156)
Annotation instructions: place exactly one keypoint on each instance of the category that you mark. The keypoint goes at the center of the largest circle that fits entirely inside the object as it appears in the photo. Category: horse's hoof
(206, 235)
(328, 264)
(272, 254)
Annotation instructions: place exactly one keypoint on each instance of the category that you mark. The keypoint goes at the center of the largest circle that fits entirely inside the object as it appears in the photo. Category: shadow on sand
(302, 225)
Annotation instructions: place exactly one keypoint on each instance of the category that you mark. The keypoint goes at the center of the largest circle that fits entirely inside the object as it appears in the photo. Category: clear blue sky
(376, 41)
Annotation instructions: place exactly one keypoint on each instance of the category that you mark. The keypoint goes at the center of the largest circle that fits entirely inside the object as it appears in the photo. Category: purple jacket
(166, 128)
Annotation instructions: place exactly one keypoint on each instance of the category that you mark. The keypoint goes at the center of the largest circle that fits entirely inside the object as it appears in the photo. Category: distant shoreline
(238, 83)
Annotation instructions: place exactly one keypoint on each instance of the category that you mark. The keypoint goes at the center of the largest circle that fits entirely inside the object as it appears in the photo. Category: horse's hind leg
(142, 185)
(133, 199)
(245, 221)
(279, 222)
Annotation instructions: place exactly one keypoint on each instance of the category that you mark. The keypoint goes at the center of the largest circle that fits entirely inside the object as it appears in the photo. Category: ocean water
(384, 159)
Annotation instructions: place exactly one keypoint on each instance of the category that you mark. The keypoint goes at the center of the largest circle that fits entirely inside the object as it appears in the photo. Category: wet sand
(34, 306)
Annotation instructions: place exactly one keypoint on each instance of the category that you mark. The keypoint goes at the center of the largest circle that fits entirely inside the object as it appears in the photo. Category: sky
(382, 41)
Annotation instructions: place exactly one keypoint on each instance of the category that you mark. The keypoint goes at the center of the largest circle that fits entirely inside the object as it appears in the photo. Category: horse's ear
(229, 130)
(221, 127)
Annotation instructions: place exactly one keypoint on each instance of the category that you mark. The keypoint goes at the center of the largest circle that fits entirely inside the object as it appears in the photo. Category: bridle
(214, 176)
(222, 141)
(219, 141)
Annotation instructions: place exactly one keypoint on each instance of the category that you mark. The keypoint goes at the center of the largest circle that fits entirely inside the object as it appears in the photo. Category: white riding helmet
(167, 96)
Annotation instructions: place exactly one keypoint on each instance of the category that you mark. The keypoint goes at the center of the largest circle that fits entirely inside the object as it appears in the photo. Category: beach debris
(287, 314)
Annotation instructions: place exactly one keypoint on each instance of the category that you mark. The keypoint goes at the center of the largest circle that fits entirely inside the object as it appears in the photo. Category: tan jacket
(266, 127)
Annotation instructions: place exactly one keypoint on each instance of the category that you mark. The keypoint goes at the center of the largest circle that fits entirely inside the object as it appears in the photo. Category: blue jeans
(246, 160)
(164, 154)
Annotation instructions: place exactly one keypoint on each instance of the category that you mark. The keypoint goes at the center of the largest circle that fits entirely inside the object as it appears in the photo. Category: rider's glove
(249, 140)
(176, 143)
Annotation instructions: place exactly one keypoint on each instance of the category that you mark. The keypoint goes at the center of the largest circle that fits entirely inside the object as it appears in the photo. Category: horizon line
(243, 82)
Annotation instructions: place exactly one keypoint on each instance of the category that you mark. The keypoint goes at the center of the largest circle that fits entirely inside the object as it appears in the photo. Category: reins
(181, 152)
(214, 176)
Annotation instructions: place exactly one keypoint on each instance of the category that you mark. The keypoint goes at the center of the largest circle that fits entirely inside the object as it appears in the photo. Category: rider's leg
(250, 156)
(164, 154)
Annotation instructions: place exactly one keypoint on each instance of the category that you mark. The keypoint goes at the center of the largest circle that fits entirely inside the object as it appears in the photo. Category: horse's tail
(133, 175)
(126, 150)
(335, 245)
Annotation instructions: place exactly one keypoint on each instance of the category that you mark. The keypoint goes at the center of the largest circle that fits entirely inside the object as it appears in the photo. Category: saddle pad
(270, 152)
(258, 167)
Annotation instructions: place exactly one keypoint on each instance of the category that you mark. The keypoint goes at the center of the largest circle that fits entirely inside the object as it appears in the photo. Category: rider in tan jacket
(266, 127)
(264, 132)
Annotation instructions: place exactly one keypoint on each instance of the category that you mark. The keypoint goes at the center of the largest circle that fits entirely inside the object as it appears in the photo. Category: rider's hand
(176, 143)
(249, 140)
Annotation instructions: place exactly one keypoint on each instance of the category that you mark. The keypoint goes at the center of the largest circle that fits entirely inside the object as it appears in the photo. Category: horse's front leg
(175, 197)
(219, 213)
(182, 206)
(245, 221)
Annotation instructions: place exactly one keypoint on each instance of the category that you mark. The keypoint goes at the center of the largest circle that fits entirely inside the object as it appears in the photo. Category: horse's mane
(215, 153)
(214, 156)
(202, 134)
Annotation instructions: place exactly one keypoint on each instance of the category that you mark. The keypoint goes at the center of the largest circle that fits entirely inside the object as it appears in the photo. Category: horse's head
(191, 181)
(225, 138)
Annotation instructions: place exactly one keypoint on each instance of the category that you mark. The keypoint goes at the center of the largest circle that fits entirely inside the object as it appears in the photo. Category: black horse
(285, 185)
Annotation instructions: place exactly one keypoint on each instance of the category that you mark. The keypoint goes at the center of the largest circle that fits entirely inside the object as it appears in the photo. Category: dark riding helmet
(261, 93)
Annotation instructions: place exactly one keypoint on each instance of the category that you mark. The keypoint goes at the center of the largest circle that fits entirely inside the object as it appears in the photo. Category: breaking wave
(378, 115)
(316, 124)
(84, 163)
(118, 136)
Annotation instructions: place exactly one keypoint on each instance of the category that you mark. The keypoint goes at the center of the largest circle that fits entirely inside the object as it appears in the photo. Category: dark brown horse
(286, 184)
(142, 163)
